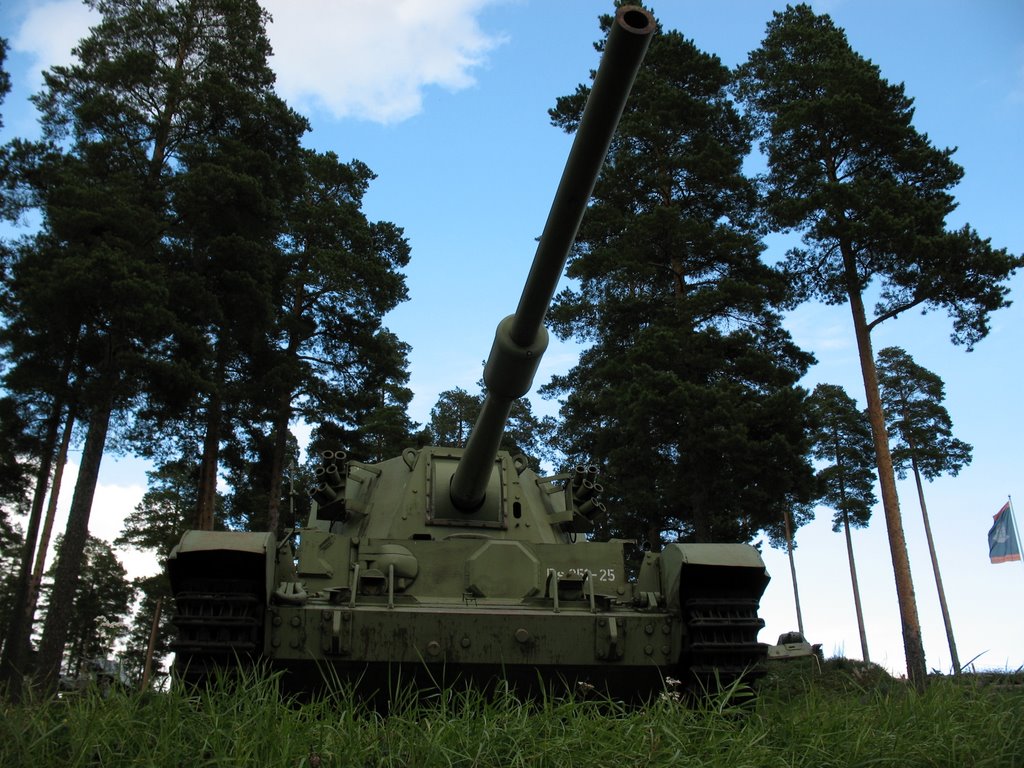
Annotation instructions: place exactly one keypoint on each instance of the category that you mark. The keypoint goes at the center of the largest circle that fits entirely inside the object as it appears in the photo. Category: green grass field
(841, 714)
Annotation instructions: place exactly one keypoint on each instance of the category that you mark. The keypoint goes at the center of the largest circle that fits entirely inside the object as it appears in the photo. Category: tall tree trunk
(154, 632)
(72, 550)
(51, 513)
(955, 658)
(281, 419)
(284, 412)
(701, 520)
(653, 538)
(912, 645)
(856, 589)
(792, 572)
(16, 641)
(165, 122)
(849, 553)
(207, 491)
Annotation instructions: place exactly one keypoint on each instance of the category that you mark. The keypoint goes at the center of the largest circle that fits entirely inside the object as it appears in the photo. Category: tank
(450, 564)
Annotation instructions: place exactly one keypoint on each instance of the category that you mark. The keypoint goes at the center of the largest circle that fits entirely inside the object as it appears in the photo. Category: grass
(841, 714)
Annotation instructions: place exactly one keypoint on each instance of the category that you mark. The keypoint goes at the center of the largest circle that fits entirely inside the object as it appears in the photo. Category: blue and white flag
(1002, 539)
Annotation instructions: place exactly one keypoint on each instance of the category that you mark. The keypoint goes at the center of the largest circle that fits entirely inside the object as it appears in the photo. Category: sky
(447, 102)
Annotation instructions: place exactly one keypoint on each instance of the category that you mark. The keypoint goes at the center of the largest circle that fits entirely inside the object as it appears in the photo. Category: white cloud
(112, 503)
(351, 59)
(373, 60)
(50, 31)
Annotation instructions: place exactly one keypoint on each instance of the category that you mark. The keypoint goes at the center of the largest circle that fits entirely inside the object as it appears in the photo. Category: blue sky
(447, 102)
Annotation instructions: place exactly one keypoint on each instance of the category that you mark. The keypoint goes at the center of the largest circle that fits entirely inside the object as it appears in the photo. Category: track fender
(224, 554)
(711, 570)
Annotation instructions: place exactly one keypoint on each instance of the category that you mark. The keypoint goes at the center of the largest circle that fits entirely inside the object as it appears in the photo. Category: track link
(219, 624)
(722, 642)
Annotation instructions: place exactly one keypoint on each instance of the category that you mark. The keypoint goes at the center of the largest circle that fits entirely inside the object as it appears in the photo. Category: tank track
(722, 643)
(220, 626)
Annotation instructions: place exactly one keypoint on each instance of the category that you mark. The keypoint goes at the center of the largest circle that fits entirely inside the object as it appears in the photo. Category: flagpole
(1013, 518)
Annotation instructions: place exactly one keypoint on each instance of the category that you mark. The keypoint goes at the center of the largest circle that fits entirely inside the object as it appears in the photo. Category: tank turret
(450, 564)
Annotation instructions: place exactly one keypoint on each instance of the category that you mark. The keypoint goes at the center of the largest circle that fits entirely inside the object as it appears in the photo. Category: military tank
(452, 564)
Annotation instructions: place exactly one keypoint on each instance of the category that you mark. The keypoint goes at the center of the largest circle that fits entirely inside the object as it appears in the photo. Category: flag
(1002, 538)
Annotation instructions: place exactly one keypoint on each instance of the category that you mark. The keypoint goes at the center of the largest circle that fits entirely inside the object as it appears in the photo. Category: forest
(200, 281)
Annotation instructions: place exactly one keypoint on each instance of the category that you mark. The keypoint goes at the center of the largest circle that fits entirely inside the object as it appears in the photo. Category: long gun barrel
(520, 339)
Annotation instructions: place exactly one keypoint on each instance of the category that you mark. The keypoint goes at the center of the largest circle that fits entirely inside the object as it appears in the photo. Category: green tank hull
(390, 583)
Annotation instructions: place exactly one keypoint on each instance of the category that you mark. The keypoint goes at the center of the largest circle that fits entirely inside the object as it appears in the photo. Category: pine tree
(870, 194)
(452, 417)
(21, 452)
(165, 94)
(331, 361)
(5, 79)
(454, 414)
(688, 397)
(11, 546)
(95, 274)
(156, 525)
(100, 606)
(842, 437)
(232, 185)
(165, 512)
(923, 430)
(380, 407)
(38, 341)
(155, 595)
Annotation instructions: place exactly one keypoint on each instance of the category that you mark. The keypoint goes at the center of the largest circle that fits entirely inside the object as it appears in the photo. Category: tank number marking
(602, 574)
